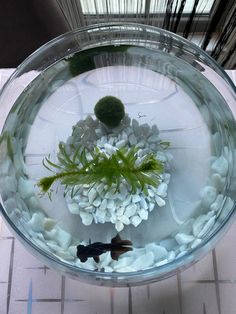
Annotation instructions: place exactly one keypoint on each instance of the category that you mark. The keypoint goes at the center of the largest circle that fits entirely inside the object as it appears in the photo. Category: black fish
(116, 247)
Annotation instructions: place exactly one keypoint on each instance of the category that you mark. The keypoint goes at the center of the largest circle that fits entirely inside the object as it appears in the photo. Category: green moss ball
(109, 110)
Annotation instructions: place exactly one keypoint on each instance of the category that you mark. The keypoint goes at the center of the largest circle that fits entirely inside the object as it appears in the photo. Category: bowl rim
(157, 271)
(113, 24)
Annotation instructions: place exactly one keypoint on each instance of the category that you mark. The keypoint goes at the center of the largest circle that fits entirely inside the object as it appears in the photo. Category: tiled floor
(28, 286)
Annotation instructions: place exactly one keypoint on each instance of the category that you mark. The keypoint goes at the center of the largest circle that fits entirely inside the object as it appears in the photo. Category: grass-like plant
(78, 169)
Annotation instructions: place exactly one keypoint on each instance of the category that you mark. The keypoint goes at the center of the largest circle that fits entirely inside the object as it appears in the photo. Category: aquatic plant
(90, 167)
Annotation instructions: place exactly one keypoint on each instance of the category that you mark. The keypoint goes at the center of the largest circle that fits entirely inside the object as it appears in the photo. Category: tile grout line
(10, 274)
(148, 292)
(30, 298)
(204, 308)
(63, 284)
(130, 301)
(112, 292)
(217, 287)
(180, 295)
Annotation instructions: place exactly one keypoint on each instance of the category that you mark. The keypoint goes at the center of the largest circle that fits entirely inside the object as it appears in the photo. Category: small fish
(116, 247)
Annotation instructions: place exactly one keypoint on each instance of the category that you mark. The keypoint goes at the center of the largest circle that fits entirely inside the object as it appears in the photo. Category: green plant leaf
(121, 165)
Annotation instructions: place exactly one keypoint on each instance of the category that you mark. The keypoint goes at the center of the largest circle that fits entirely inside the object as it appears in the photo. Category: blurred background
(25, 25)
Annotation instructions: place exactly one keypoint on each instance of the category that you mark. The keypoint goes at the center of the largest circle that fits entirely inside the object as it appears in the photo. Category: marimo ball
(110, 111)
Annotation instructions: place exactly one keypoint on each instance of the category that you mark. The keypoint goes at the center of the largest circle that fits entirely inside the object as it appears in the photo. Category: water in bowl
(156, 89)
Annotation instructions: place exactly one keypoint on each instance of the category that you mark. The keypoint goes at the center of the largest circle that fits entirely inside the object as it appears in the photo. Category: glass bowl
(177, 104)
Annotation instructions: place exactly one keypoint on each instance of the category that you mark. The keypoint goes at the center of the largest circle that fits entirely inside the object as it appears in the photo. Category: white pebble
(6, 164)
(100, 215)
(145, 129)
(111, 140)
(160, 263)
(195, 243)
(162, 189)
(84, 204)
(161, 156)
(49, 223)
(128, 131)
(53, 246)
(198, 224)
(127, 201)
(108, 269)
(92, 194)
(166, 178)
(10, 204)
(183, 247)
(171, 256)
(121, 143)
(216, 206)
(141, 144)
(123, 190)
(121, 197)
(135, 126)
(41, 244)
(105, 260)
(33, 203)
(120, 211)
(143, 214)
(183, 238)
(124, 219)
(153, 138)
(126, 269)
(63, 238)
(220, 165)
(151, 206)
(89, 209)
(143, 204)
(207, 227)
(181, 254)
(10, 183)
(73, 208)
(143, 261)
(122, 262)
(218, 181)
(87, 218)
(65, 255)
(208, 196)
(109, 148)
(151, 193)
(136, 198)
(103, 205)
(159, 251)
(169, 243)
(97, 202)
(132, 140)
(89, 264)
(37, 222)
(130, 210)
(110, 204)
(160, 202)
(119, 225)
(135, 220)
(25, 188)
(100, 188)
(51, 234)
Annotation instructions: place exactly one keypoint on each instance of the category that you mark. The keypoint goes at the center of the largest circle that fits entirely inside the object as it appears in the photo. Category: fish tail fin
(117, 239)
(116, 254)
(96, 259)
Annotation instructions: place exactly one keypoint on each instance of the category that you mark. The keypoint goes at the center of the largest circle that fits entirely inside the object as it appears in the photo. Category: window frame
(145, 18)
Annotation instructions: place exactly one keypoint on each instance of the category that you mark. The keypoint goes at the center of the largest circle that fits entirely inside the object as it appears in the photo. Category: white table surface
(29, 287)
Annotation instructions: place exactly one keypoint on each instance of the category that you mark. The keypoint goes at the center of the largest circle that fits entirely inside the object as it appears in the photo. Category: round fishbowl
(117, 153)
